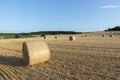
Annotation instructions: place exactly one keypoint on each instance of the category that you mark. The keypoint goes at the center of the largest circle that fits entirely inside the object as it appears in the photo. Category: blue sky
(51, 15)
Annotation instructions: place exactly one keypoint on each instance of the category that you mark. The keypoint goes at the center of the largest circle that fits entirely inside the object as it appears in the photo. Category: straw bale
(71, 38)
(35, 52)
(56, 37)
(86, 35)
(45, 37)
(110, 35)
(103, 35)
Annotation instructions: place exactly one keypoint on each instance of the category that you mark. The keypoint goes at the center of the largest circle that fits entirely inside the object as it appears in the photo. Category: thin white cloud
(110, 6)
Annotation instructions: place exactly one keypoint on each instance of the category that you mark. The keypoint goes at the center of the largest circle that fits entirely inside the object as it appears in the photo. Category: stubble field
(87, 58)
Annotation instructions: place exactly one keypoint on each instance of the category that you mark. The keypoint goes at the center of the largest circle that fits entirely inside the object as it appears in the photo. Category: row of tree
(41, 33)
(54, 32)
(116, 28)
(13, 35)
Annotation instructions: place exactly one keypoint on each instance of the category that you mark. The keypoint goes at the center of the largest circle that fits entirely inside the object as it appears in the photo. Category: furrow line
(6, 75)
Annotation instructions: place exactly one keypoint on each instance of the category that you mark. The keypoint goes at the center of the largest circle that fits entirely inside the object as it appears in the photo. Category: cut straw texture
(35, 52)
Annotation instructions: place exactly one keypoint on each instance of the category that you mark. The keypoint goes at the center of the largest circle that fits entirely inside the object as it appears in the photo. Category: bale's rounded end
(35, 52)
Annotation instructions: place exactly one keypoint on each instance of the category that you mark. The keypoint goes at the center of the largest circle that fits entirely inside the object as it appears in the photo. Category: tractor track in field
(90, 48)
(100, 51)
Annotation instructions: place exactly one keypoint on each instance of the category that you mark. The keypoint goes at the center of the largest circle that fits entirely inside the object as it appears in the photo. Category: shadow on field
(11, 60)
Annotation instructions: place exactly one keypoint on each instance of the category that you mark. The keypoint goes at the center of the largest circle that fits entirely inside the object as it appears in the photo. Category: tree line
(116, 28)
(55, 32)
(41, 33)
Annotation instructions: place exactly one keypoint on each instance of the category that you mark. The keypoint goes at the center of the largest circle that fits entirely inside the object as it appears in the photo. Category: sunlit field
(90, 57)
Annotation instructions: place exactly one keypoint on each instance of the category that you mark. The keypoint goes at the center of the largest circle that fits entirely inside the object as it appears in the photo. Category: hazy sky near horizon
(63, 15)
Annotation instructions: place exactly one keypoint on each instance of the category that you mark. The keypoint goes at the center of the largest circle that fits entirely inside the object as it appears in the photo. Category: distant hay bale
(35, 52)
(45, 37)
(56, 37)
(103, 35)
(86, 35)
(110, 35)
(71, 38)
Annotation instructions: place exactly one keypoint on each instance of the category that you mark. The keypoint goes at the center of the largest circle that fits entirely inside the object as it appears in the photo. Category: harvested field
(86, 58)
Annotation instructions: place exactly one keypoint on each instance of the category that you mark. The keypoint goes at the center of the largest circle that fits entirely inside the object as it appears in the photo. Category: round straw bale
(103, 35)
(56, 37)
(35, 52)
(45, 37)
(86, 35)
(110, 35)
(71, 38)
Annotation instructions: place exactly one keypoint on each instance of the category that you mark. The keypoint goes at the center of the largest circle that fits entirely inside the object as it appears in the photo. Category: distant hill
(116, 28)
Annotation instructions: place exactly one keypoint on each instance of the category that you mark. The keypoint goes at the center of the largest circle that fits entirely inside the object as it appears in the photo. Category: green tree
(18, 36)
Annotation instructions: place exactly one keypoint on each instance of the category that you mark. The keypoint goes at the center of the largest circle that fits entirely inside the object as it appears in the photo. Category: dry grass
(86, 58)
